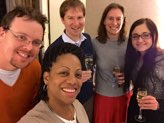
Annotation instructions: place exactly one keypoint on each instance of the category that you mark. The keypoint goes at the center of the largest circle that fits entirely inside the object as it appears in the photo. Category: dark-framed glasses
(145, 35)
(24, 39)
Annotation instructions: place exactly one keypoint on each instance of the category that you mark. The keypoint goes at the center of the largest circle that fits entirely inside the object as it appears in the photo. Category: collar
(66, 39)
(9, 77)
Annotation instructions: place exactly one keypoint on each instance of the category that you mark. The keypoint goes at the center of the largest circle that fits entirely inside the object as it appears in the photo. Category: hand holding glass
(88, 62)
(141, 93)
(116, 69)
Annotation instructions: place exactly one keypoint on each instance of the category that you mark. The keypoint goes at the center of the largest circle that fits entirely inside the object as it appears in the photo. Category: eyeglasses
(24, 39)
(145, 35)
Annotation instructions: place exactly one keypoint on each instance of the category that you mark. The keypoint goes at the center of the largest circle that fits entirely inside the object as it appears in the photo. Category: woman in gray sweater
(110, 45)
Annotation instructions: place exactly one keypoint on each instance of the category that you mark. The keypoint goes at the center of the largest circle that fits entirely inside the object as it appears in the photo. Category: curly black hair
(50, 57)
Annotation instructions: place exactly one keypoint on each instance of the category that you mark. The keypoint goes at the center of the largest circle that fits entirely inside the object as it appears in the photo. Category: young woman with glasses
(144, 67)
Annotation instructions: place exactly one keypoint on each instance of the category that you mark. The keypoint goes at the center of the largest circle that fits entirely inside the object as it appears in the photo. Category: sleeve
(159, 70)
(28, 120)
(161, 105)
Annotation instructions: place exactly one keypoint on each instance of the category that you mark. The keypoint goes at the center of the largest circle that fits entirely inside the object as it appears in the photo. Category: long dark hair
(50, 57)
(132, 55)
(102, 34)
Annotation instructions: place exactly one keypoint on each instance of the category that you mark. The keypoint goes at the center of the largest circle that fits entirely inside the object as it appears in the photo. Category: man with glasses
(21, 34)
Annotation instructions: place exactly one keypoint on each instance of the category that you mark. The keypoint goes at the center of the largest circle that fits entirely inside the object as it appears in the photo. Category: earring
(45, 87)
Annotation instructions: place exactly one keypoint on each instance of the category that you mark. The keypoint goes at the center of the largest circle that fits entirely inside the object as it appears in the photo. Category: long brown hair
(132, 55)
(102, 34)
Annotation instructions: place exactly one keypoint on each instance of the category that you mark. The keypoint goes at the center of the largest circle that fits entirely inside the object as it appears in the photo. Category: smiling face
(74, 22)
(64, 80)
(113, 22)
(141, 44)
(16, 54)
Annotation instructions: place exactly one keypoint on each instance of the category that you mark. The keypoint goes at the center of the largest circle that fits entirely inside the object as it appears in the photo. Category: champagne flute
(141, 93)
(88, 61)
(116, 69)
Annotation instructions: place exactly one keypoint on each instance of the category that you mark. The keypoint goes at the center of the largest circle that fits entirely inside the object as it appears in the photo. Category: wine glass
(141, 93)
(116, 69)
(88, 61)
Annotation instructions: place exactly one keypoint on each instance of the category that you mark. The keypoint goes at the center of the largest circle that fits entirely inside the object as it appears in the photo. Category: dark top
(154, 84)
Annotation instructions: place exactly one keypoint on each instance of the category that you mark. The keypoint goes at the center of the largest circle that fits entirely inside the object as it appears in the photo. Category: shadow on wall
(2, 8)
(10, 4)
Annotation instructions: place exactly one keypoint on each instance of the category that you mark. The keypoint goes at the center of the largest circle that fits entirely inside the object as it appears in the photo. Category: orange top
(15, 101)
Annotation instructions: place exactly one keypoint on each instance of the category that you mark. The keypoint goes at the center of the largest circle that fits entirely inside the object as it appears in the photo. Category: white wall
(44, 9)
(56, 26)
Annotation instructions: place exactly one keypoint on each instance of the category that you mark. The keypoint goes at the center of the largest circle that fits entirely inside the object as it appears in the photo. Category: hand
(86, 75)
(120, 78)
(148, 102)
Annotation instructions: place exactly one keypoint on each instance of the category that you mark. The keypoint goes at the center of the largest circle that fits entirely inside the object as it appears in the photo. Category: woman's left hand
(148, 102)
(120, 78)
(86, 75)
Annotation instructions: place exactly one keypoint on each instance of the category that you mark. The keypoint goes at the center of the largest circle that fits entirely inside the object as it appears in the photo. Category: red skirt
(110, 109)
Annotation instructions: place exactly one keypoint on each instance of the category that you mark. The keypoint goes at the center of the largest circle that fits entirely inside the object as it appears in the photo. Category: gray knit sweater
(108, 55)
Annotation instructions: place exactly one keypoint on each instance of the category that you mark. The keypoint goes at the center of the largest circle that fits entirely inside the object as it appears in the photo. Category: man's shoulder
(33, 68)
(35, 64)
(58, 41)
(87, 36)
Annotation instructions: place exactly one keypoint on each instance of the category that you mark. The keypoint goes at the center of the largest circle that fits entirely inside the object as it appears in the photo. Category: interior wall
(44, 8)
